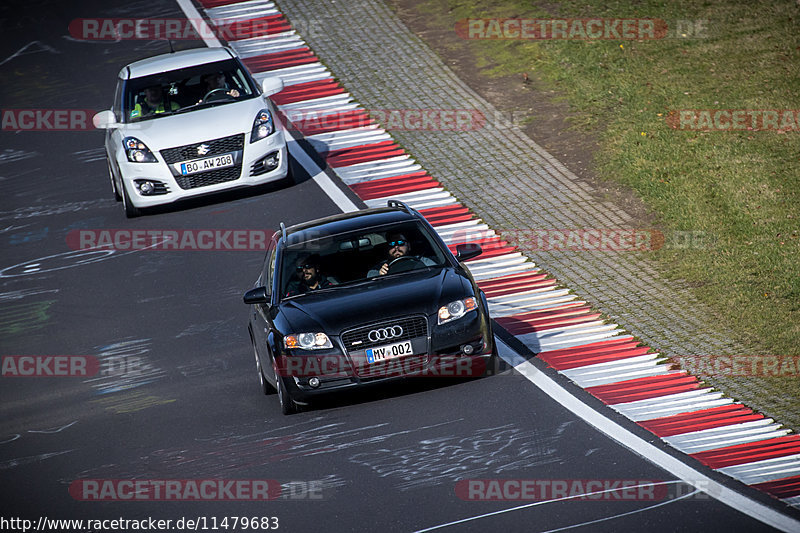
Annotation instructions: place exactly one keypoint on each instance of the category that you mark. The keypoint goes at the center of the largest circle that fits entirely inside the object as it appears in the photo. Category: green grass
(741, 190)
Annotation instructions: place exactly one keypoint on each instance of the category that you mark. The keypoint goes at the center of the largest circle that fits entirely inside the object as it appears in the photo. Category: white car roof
(174, 61)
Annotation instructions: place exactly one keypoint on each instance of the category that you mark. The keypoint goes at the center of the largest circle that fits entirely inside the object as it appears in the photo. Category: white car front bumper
(171, 186)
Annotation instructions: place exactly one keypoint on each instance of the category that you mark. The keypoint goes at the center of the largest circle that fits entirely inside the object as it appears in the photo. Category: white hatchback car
(189, 123)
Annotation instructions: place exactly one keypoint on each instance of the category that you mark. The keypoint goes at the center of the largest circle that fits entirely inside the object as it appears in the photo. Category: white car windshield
(186, 90)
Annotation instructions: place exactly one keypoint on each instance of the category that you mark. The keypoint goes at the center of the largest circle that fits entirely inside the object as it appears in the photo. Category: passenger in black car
(310, 276)
(399, 246)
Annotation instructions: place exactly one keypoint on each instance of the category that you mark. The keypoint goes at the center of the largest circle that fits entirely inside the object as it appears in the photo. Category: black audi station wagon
(361, 298)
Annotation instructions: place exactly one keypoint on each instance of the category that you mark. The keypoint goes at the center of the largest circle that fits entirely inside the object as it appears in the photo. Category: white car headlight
(263, 126)
(457, 309)
(137, 151)
(307, 341)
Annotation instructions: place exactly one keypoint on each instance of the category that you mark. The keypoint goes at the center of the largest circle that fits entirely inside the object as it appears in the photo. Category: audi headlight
(263, 126)
(307, 341)
(457, 309)
(137, 151)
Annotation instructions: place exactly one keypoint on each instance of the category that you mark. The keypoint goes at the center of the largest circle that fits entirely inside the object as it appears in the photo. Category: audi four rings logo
(383, 334)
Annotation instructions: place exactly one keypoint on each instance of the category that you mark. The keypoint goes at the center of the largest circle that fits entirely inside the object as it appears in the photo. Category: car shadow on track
(383, 391)
(399, 388)
(296, 176)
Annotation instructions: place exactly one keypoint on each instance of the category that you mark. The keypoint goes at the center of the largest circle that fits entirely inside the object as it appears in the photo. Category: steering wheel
(212, 91)
(404, 263)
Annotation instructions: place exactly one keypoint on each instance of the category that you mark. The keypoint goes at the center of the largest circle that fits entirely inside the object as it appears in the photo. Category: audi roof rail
(405, 207)
(402, 205)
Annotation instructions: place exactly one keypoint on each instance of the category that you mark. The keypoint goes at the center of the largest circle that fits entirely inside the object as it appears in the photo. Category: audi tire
(266, 388)
(288, 406)
(493, 363)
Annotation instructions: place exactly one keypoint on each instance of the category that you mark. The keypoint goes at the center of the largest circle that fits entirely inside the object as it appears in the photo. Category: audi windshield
(352, 258)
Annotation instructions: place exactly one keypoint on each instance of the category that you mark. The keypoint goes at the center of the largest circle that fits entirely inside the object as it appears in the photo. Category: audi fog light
(314, 382)
(457, 309)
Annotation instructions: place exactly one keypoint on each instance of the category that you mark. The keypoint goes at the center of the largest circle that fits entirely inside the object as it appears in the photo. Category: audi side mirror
(256, 296)
(467, 251)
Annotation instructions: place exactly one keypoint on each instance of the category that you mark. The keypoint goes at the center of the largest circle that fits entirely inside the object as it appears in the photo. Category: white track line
(676, 467)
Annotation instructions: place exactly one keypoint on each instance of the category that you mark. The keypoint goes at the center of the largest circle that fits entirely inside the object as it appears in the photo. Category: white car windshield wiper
(201, 105)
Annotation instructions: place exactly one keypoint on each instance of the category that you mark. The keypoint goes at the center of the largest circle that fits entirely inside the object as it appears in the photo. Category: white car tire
(131, 211)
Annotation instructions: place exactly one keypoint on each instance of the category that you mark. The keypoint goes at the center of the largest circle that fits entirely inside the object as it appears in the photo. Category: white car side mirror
(271, 85)
(104, 120)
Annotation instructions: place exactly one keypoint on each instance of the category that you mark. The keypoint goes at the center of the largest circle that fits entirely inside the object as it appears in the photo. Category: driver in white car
(399, 247)
(216, 81)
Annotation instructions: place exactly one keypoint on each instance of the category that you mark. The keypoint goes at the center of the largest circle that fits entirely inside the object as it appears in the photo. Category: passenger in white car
(151, 102)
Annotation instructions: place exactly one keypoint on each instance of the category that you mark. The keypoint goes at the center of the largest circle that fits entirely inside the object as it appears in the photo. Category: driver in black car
(217, 82)
(310, 276)
(399, 247)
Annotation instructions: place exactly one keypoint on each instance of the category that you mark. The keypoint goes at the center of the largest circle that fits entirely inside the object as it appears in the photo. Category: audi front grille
(359, 338)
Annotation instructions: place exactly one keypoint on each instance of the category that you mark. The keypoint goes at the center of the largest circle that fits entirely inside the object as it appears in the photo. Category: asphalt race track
(188, 406)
